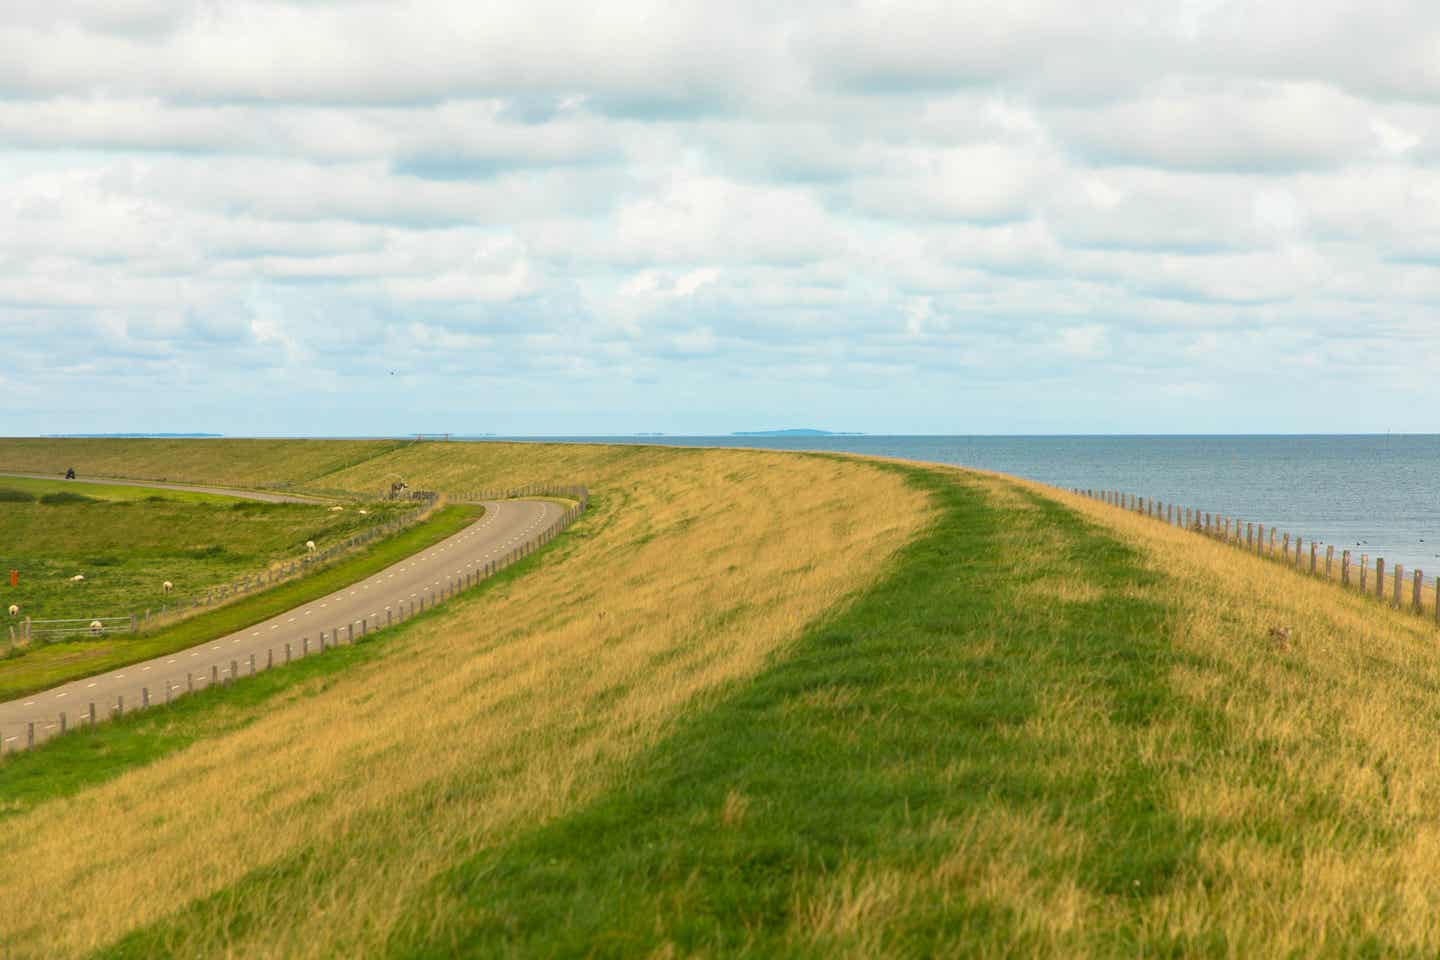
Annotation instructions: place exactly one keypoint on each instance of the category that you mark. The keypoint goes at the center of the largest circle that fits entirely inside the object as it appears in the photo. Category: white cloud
(664, 199)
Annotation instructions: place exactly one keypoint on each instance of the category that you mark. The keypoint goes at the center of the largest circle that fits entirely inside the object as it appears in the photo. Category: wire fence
(160, 689)
(1390, 586)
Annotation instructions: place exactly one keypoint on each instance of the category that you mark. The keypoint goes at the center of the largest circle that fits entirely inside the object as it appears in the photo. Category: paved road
(389, 593)
(192, 488)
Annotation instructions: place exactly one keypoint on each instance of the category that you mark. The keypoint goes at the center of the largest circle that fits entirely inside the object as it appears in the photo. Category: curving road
(390, 594)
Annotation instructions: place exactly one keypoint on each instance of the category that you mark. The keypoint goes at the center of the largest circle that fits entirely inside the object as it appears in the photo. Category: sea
(1373, 494)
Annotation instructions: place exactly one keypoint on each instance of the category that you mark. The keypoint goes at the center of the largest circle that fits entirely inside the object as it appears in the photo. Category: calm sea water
(1373, 494)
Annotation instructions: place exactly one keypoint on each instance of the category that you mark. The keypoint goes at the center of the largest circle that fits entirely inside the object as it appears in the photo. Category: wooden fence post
(144, 698)
(1399, 583)
(1415, 593)
(1314, 550)
(1297, 552)
(1329, 558)
(1364, 571)
(63, 726)
(91, 713)
(1380, 578)
(1345, 568)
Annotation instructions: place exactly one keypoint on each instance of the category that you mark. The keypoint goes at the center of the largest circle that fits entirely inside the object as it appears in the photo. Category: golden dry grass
(1312, 811)
(503, 711)
(1314, 826)
(1342, 713)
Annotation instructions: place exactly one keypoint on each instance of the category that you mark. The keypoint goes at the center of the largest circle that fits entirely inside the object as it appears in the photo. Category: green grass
(127, 547)
(907, 709)
(68, 764)
(51, 664)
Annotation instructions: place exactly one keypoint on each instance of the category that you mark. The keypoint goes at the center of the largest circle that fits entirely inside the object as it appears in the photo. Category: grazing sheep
(78, 578)
(96, 628)
(14, 609)
(310, 546)
(336, 509)
(167, 586)
(366, 513)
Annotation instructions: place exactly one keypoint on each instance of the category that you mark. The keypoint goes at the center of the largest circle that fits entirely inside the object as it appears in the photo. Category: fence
(580, 494)
(1390, 587)
(92, 627)
(223, 671)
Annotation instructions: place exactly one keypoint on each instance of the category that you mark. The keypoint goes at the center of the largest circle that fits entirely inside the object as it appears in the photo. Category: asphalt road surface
(192, 488)
(391, 594)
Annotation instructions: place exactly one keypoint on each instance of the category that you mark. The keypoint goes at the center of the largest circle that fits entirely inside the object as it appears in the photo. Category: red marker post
(14, 578)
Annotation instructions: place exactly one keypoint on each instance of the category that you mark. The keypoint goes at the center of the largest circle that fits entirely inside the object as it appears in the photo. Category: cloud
(1026, 205)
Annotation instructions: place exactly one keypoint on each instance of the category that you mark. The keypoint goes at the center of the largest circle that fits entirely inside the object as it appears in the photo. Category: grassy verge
(57, 663)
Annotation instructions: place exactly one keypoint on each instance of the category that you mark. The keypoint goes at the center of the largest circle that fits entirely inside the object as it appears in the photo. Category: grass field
(764, 704)
(127, 541)
(46, 665)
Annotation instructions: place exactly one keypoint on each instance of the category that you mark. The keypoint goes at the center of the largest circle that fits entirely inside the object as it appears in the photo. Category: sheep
(14, 609)
(310, 546)
(96, 628)
(78, 578)
(336, 509)
(366, 513)
(167, 586)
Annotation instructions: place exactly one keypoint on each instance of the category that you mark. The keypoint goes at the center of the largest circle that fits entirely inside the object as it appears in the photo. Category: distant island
(136, 436)
(803, 432)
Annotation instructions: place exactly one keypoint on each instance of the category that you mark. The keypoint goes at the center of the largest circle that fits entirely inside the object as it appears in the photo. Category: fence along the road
(29, 733)
(1297, 552)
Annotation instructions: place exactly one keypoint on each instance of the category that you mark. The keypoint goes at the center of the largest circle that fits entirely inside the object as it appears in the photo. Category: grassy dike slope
(315, 826)
(238, 463)
(1043, 727)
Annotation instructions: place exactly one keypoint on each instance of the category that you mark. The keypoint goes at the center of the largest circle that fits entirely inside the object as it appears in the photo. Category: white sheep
(167, 586)
(364, 512)
(336, 509)
(96, 628)
(310, 546)
(78, 578)
(14, 609)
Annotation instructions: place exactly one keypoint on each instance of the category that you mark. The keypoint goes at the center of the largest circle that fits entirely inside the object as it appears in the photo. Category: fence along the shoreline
(1402, 593)
(221, 672)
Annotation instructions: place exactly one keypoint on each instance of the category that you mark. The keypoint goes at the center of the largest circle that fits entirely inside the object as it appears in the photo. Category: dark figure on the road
(70, 474)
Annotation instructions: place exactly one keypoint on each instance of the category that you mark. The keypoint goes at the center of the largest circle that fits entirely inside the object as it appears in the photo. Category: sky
(377, 217)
